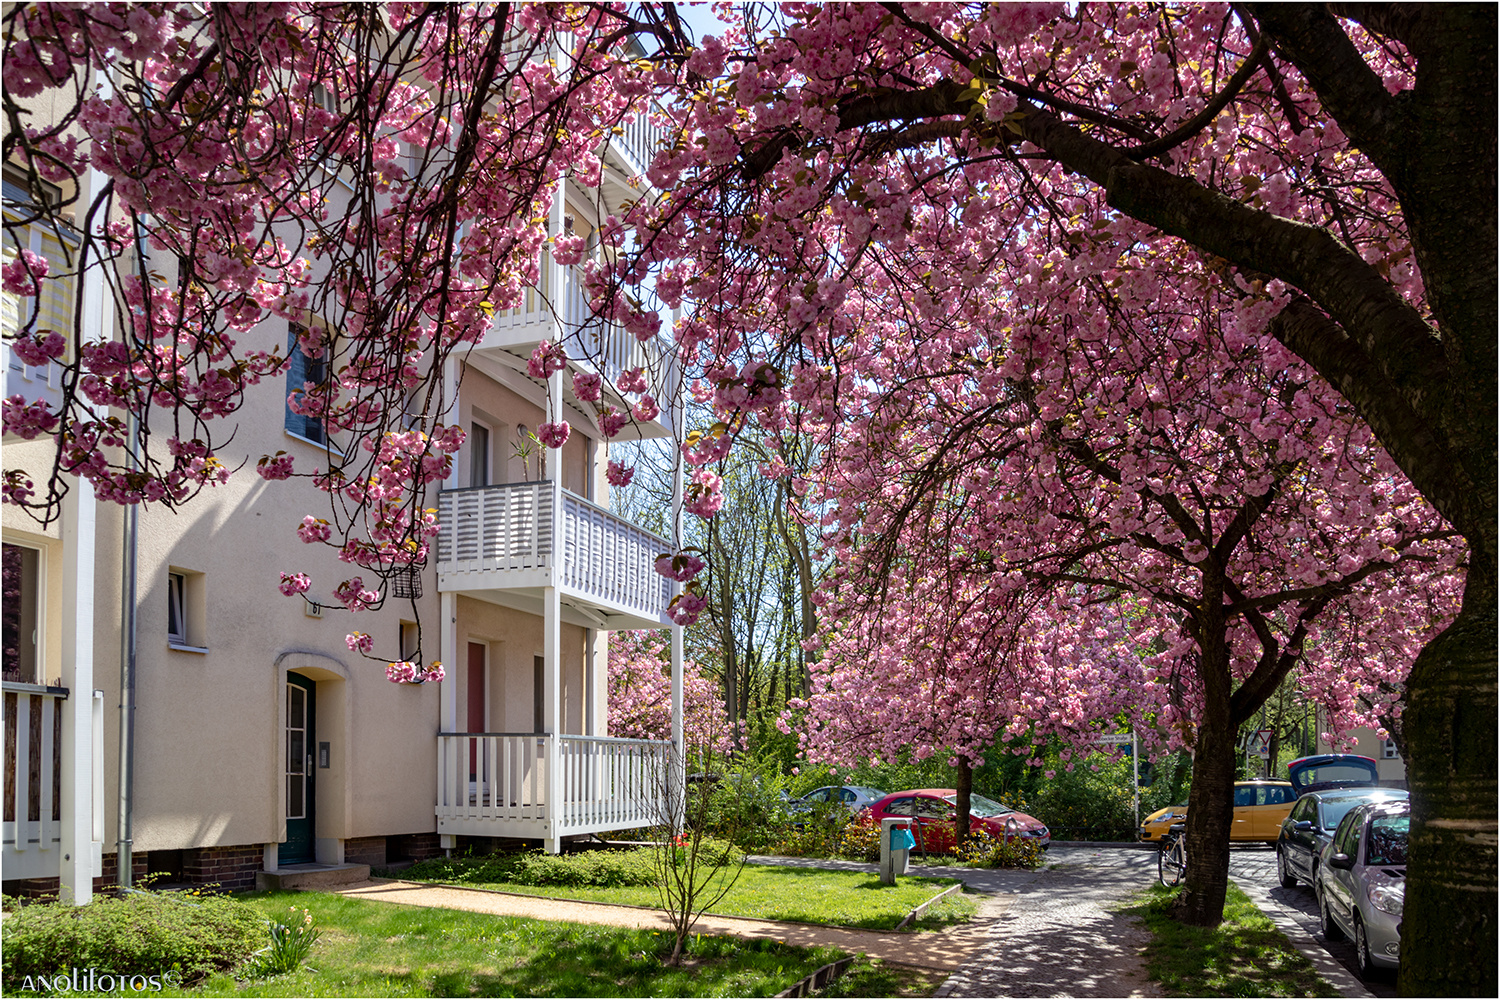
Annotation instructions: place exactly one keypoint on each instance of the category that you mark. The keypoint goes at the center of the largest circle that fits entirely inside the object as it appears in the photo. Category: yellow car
(1259, 808)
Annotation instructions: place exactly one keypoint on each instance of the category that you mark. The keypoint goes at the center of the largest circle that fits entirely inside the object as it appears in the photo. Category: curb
(914, 914)
(820, 978)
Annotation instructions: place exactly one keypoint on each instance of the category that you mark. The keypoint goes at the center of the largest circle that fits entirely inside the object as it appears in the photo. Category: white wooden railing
(507, 527)
(33, 754)
(501, 779)
(611, 560)
(638, 142)
(510, 528)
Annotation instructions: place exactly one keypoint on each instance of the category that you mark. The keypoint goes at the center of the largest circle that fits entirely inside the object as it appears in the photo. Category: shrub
(598, 869)
(145, 933)
(984, 851)
(860, 840)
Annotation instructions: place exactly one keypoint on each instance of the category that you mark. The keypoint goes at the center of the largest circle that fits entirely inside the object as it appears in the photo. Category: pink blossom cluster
(405, 672)
(640, 694)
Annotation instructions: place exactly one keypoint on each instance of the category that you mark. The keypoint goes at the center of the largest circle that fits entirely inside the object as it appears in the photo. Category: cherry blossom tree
(1337, 160)
(1147, 515)
(377, 176)
(640, 695)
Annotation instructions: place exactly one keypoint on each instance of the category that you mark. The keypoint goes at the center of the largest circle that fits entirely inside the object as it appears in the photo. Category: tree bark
(1448, 928)
(965, 795)
(1210, 815)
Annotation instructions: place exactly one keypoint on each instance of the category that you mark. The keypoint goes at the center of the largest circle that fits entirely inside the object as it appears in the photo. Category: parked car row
(933, 810)
(1336, 830)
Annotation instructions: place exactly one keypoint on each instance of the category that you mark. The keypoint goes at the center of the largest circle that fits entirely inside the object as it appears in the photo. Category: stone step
(311, 876)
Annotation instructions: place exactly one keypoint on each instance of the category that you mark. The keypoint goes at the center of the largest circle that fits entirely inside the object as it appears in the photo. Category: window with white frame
(53, 309)
(1388, 750)
(20, 614)
(185, 612)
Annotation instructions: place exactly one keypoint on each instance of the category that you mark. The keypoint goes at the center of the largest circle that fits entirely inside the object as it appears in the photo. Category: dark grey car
(1310, 825)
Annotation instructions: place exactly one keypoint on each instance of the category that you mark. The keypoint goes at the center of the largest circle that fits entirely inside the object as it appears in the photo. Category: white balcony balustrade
(497, 784)
(33, 776)
(497, 538)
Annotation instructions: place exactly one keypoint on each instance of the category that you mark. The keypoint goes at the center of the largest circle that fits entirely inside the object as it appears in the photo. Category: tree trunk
(1210, 815)
(965, 794)
(1450, 884)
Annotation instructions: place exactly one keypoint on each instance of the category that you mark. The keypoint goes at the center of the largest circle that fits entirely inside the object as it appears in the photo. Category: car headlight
(1390, 898)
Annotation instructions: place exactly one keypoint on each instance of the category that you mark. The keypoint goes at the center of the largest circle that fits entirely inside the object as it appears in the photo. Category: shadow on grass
(1244, 956)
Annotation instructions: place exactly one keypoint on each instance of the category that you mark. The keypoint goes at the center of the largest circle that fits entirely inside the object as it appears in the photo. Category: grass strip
(1245, 956)
(373, 949)
(766, 892)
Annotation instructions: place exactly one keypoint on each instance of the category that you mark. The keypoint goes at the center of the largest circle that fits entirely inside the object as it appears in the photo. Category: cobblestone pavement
(1056, 932)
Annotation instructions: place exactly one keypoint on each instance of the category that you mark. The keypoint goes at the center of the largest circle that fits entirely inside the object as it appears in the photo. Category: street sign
(1115, 738)
(1260, 743)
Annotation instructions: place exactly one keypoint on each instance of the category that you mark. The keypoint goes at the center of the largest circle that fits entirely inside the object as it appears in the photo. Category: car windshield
(1388, 840)
(981, 806)
(869, 793)
(1335, 809)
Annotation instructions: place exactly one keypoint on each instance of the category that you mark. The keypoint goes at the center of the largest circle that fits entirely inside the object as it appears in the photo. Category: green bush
(598, 869)
(984, 851)
(185, 934)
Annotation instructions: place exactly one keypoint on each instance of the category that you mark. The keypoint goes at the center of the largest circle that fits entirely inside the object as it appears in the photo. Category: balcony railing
(33, 778)
(496, 784)
(562, 299)
(510, 529)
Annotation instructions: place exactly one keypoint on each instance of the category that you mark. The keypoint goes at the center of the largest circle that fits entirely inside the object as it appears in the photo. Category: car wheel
(1331, 930)
(1362, 949)
(1283, 873)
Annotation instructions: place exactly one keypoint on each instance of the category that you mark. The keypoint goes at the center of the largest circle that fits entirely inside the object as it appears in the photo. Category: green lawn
(769, 892)
(372, 949)
(1245, 956)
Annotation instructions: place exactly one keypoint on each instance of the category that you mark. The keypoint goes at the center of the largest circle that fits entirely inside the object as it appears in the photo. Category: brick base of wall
(370, 851)
(412, 847)
(48, 888)
(232, 868)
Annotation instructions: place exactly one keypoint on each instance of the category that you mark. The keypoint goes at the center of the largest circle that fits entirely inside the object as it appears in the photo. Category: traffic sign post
(1121, 739)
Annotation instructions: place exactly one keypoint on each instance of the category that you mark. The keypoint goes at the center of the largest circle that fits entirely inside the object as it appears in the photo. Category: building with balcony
(164, 704)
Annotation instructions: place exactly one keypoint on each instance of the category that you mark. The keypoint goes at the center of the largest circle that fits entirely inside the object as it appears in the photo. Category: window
(1388, 750)
(20, 613)
(479, 454)
(408, 641)
(301, 372)
(1244, 795)
(186, 621)
(53, 310)
(176, 609)
(900, 807)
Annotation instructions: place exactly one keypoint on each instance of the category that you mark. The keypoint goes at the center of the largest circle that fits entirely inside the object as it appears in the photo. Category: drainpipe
(124, 856)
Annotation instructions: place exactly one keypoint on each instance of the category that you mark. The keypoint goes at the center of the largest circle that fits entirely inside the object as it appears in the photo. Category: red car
(935, 811)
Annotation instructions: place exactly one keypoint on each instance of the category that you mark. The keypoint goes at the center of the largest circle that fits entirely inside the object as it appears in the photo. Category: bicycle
(1171, 860)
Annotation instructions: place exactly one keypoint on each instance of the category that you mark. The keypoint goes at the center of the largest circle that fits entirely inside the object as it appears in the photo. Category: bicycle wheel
(1170, 863)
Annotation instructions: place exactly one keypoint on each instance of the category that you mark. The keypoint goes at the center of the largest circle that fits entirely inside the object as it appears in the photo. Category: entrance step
(311, 876)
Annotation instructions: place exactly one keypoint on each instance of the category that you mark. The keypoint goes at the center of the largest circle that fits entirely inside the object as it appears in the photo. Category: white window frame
(185, 598)
(1388, 750)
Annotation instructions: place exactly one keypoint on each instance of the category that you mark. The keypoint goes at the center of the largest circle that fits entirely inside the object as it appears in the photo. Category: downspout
(124, 856)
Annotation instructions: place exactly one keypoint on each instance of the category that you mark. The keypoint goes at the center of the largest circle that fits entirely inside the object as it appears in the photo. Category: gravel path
(943, 951)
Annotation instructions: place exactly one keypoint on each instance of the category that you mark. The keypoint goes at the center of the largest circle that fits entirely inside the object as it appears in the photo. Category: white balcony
(34, 809)
(43, 382)
(537, 785)
(503, 544)
(558, 311)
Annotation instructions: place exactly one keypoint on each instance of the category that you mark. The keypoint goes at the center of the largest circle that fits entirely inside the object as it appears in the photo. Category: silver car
(1361, 883)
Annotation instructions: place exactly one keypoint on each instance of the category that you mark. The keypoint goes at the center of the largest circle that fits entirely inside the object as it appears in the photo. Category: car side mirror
(1303, 825)
(1342, 861)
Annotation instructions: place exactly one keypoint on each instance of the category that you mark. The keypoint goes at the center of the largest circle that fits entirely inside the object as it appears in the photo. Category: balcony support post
(76, 868)
(677, 767)
(448, 612)
(552, 708)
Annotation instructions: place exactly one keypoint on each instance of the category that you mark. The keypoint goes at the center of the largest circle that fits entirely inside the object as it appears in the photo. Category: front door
(300, 733)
